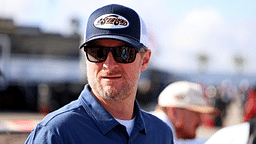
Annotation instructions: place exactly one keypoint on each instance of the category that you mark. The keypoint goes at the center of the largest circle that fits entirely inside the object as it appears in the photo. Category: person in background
(106, 111)
(250, 105)
(181, 105)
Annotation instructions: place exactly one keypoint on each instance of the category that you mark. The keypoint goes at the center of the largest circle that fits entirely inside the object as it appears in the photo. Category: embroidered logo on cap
(111, 21)
(179, 97)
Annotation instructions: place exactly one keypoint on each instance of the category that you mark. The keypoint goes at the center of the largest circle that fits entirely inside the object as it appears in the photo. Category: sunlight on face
(110, 79)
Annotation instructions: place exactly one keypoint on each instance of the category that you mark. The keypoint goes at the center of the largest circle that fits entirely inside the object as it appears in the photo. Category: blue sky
(179, 29)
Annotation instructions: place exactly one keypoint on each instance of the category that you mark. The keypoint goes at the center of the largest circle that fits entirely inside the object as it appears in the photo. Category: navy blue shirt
(86, 121)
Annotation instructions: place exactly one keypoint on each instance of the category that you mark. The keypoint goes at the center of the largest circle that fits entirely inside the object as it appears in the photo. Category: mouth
(111, 77)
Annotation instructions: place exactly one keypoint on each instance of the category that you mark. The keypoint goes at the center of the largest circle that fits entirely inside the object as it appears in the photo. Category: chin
(190, 137)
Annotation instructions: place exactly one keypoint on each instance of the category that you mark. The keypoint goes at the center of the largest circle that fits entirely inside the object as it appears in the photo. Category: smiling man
(106, 111)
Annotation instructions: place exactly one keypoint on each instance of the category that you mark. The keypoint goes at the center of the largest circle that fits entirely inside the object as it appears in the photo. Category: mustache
(109, 73)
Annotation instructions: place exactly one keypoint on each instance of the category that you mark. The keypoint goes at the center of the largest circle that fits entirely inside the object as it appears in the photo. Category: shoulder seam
(45, 124)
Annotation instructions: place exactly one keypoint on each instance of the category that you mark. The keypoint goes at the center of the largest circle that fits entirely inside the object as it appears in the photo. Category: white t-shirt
(237, 134)
(128, 124)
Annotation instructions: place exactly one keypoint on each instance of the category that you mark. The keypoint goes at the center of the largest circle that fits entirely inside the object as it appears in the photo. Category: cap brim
(115, 37)
(202, 109)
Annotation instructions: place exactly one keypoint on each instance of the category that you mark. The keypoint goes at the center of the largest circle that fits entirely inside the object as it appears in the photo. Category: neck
(123, 110)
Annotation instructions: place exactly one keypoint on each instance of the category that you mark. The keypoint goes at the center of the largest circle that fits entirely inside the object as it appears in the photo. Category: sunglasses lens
(123, 54)
(96, 54)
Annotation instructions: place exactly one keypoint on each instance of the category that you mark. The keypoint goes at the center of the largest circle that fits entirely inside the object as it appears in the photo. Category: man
(180, 105)
(106, 111)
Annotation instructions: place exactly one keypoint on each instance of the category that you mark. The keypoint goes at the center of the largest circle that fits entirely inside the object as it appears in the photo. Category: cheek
(195, 122)
(92, 70)
(133, 71)
(88, 68)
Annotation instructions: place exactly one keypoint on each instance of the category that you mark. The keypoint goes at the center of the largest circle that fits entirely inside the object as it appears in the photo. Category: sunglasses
(121, 54)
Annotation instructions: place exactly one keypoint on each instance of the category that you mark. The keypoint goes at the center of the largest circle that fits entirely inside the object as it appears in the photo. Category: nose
(110, 62)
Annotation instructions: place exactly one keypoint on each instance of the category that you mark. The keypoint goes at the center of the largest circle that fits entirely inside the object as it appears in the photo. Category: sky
(179, 31)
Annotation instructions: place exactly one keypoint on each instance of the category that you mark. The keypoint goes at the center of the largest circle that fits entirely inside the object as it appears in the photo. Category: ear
(172, 113)
(145, 60)
(175, 115)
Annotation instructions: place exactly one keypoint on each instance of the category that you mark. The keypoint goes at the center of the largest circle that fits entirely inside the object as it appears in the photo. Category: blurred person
(221, 105)
(106, 111)
(244, 86)
(244, 133)
(250, 105)
(181, 105)
(222, 102)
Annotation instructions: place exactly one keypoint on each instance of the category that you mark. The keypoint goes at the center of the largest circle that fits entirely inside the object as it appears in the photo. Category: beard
(112, 93)
(184, 134)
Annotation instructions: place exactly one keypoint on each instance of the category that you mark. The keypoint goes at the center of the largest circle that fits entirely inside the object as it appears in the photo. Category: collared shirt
(86, 121)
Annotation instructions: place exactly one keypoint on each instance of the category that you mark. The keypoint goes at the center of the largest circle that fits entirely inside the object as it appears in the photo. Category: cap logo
(111, 21)
(179, 97)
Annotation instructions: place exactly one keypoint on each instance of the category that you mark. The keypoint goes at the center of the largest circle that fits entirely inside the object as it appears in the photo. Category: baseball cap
(116, 22)
(184, 94)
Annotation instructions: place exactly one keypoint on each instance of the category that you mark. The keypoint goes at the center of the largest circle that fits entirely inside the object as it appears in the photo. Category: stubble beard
(113, 94)
(110, 94)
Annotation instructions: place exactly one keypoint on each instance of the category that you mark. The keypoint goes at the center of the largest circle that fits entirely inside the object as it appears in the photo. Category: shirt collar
(139, 121)
(102, 118)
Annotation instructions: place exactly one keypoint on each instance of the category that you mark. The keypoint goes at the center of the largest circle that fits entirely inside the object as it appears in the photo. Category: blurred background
(203, 41)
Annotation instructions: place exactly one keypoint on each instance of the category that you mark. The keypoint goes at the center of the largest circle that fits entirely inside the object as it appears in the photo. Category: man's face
(189, 122)
(112, 80)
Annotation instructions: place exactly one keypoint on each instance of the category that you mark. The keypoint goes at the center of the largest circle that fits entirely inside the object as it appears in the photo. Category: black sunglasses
(121, 54)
